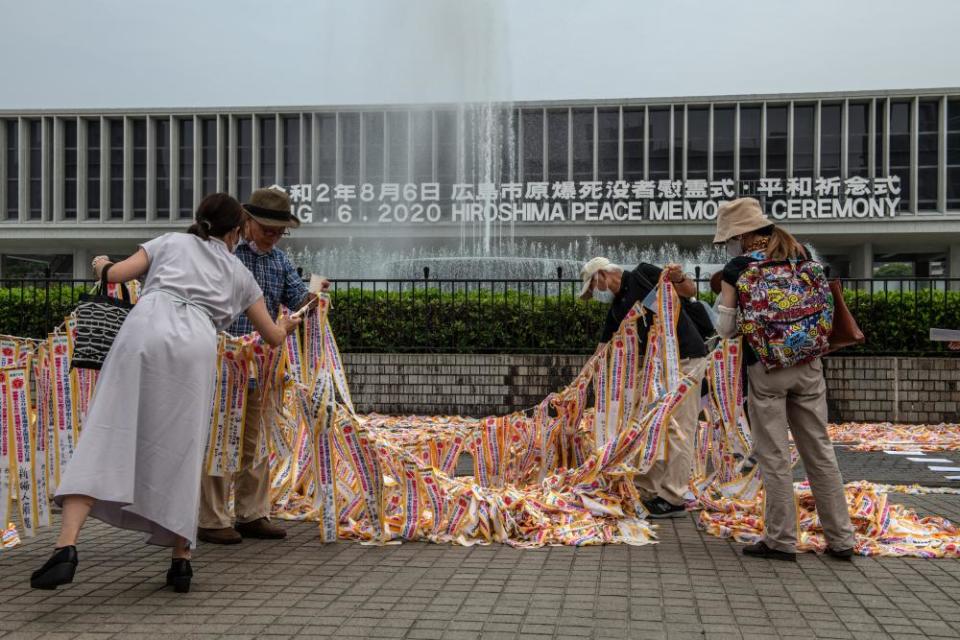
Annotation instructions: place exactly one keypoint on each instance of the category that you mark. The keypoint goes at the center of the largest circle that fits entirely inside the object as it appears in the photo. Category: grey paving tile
(688, 586)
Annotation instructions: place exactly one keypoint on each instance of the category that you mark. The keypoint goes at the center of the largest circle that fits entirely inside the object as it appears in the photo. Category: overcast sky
(134, 53)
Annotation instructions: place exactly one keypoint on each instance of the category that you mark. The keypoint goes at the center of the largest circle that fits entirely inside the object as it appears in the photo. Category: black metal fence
(32, 307)
(464, 315)
(503, 316)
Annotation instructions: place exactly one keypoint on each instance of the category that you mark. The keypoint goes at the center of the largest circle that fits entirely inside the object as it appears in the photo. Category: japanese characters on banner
(6, 452)
(592, 201)
(15, 383)
(225, 439)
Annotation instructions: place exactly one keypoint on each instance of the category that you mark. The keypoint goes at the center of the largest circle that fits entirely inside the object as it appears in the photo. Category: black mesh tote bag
(98, 320)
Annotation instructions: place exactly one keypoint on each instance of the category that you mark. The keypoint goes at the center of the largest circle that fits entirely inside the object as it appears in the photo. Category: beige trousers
(251, 483)
(670, 478)
(796, 398)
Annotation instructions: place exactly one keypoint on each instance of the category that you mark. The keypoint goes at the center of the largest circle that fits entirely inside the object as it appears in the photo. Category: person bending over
(138, 462)
(664, 486)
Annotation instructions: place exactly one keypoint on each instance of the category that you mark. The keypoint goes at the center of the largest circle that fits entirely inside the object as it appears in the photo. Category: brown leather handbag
(846, 332)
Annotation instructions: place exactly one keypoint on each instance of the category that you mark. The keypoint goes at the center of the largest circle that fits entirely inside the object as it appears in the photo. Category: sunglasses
(273, 231)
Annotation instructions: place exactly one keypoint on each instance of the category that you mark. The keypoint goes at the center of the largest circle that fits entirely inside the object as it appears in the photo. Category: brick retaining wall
(860, 388)
(917, 390)
(455, 384)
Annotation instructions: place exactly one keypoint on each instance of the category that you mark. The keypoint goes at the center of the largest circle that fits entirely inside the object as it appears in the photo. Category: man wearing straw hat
(269, 219)
(663, 489)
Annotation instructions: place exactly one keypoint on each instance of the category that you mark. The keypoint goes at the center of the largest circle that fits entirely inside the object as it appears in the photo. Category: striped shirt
(278, 278)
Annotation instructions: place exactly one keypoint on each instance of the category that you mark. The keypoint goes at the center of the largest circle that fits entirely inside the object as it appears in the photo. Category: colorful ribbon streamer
(563, 475)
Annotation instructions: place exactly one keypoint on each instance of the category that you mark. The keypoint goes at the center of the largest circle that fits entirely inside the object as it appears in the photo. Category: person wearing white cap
(664, 487)
(770, 274)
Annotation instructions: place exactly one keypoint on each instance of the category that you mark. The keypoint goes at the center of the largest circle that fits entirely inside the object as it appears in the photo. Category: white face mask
(603, 296)
(734, 247)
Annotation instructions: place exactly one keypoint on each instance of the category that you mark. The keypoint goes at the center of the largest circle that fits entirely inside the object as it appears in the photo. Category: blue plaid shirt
(278, 278)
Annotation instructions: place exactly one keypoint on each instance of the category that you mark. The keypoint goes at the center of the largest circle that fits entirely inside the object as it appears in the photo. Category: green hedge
(34, 311)
(898, 322)
(895, 322)
(464, 322)
(510, 321)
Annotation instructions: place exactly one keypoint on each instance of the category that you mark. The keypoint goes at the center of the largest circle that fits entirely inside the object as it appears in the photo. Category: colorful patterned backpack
(786, 310)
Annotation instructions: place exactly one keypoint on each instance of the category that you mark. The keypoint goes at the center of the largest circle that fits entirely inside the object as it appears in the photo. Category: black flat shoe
(58, 570)
(179, 574)
(761, 550)
(660, 508)
(840, 554)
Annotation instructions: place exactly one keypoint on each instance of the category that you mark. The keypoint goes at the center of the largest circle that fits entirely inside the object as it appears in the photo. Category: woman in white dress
(139, 459)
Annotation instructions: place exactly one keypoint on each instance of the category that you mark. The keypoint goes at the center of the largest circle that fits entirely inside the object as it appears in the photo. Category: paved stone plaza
(688, 586)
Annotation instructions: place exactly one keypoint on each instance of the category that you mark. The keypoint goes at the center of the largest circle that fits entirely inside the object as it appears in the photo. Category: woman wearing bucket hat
(774, 295)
